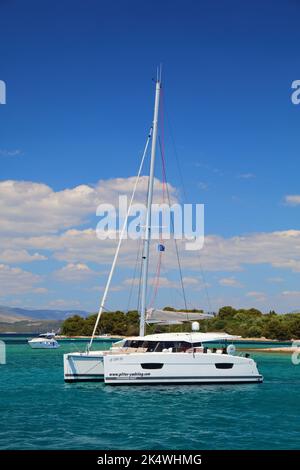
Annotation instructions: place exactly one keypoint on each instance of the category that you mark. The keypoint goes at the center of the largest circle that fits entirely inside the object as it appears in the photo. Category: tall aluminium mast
(147, 236)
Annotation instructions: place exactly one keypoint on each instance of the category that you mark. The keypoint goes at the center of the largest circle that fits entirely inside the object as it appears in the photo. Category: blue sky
(79, 104)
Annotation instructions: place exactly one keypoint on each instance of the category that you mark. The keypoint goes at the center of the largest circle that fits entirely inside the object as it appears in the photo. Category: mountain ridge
(14, 314)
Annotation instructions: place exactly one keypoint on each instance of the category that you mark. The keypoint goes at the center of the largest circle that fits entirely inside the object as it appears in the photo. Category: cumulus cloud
(290, 293)
(20, 256)
(256, 295)
(17, 281)
(277, 249)
(28, 208)
(74, 272)
(280, 249)
(165, 282)
(38, 223)
(292, 200)
(230, 282)
(43, 223)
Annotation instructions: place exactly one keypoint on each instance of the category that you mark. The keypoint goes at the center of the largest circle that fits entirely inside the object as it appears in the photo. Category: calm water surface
(39, 411)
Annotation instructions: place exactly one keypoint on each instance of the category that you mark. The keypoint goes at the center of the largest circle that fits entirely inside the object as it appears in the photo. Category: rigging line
(175, 241)
(109, 279)
(171, 133)
(205, 285)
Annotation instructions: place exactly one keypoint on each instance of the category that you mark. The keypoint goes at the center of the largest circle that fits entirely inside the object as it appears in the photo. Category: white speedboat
(44, 341)
(182, 358)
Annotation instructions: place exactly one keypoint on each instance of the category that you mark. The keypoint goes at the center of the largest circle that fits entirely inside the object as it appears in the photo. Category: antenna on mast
(159, 73)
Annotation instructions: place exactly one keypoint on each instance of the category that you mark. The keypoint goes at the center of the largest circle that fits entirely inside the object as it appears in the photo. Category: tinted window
(224, 365)
(154, 365)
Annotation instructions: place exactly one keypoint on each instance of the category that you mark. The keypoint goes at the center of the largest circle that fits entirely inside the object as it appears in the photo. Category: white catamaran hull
(179, 368)
(84, 367)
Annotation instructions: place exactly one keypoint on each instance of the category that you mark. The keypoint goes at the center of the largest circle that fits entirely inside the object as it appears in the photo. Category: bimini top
(47, 335)
(166, 317)
(189, 337)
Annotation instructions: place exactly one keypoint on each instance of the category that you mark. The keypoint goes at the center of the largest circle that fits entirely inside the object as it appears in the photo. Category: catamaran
(164, 358)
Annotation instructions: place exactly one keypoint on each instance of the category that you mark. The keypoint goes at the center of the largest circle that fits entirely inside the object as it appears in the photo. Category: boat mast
(147, 238)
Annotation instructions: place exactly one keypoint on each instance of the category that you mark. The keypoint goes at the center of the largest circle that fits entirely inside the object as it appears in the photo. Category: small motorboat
(44, 341)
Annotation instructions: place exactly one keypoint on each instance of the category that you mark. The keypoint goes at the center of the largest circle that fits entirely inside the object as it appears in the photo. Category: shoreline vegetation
(250, 324)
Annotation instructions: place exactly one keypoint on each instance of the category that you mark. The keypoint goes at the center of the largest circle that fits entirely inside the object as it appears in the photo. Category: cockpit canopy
(159, 346)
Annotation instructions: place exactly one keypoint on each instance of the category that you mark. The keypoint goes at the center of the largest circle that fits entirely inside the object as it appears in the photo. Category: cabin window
(133, 344)
(152, 365)
(164, 345)
(224, 365)
(152, 346)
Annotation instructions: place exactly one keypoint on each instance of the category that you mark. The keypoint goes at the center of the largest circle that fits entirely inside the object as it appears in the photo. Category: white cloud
(165, 282)
(230, 282)
(246, 176)
(10, 153)
(292, 200)
(36, 216)
(278, 249)
(203, 186)
(100, 288)
(275, 280)
(290, 293)
(41, 290)
(17, 281)
(190, 281)
(256, 295)
(74, 272)
(63, 303)
(20, 256)
(29, 208)
(38, 223)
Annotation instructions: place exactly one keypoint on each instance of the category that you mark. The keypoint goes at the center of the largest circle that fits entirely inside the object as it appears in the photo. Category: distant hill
(16, 314)
(35, 326)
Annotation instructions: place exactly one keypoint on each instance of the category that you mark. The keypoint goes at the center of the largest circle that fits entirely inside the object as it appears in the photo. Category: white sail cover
(171, 317)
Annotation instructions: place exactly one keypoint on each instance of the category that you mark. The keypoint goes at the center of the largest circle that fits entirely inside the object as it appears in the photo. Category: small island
(247, 323)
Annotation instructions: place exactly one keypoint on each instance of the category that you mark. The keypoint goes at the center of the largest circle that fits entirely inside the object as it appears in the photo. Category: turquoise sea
(39, 411)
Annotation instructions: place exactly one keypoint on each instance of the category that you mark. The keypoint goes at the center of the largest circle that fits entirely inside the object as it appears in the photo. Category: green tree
(255, 331)
(276, 329)
(72, 326)
(226, 312)
(295, 328)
